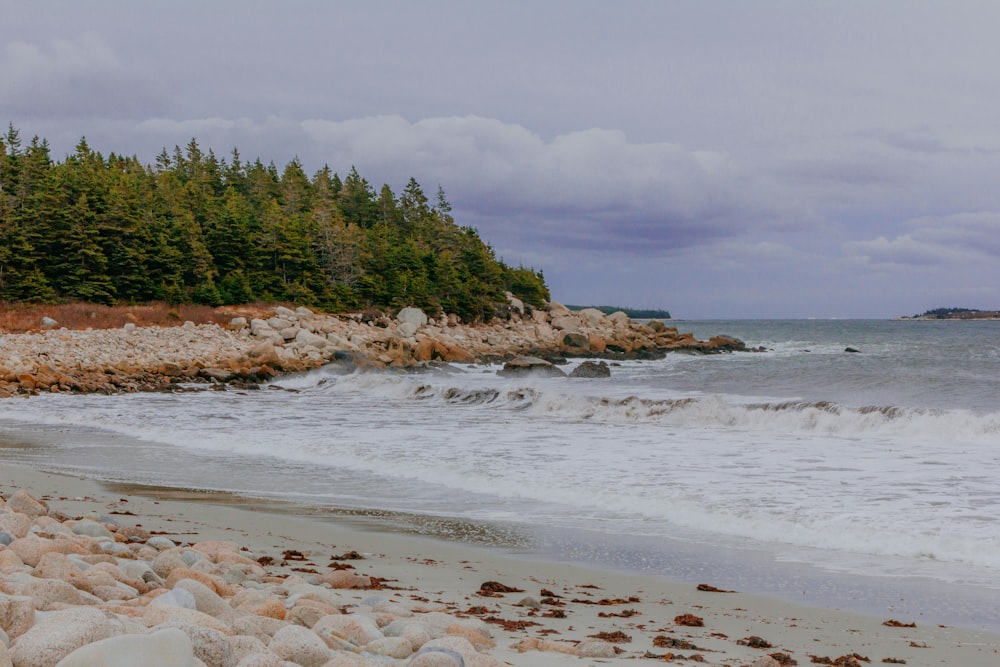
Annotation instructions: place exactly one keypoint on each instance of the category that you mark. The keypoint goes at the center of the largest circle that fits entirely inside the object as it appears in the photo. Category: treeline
(194, 228)
(958, 314)
(633, 313)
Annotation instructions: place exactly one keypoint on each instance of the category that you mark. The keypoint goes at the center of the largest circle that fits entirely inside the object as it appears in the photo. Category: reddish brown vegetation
(616, 637)
(662, 641)
(893, 623)
(708, 588)
(510, 625)
(852, 660)
(755, 642)
(689, 620)
(20, 318)
(496, 589)
(608, 601)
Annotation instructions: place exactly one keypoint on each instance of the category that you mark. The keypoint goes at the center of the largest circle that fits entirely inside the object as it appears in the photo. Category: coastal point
(245, 351)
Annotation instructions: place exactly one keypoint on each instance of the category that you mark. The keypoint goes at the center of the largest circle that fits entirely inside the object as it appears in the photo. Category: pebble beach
(100, 575)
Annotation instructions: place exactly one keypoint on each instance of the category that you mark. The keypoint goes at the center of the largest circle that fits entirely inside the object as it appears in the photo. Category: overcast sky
(717, 159)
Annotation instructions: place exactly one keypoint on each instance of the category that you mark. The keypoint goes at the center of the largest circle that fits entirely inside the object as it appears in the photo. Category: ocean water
(868, 481)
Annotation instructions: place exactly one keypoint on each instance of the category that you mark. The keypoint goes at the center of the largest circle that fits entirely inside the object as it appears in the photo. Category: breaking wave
(714, 411)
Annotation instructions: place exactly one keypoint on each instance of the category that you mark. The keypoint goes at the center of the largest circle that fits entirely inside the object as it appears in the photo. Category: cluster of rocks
(115, 360)
(78, 592)
(247, 352)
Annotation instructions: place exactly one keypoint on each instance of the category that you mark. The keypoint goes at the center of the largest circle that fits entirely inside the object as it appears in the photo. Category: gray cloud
(590, 188)
(72, 78)
(950, 240)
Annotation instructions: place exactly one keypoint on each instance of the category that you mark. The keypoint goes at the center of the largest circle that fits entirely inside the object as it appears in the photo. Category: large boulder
(24, 503)
(657, 326)
(619, 318)
(206, 600)
(265, 353)
(424, 350)
(279, 323)
(457, 355)
(31, 548)
(592, 316)
(307, 337)
(407, 329)
(565, 321)
(59, 634)
(576, 343)
(597, 343)
(724, 344)
(210, 645)
(515, 303)
(296, 644)
(165, 648)
(15, 523)
(413, 316)
(522, 366)
(17, 614)
(556, 308)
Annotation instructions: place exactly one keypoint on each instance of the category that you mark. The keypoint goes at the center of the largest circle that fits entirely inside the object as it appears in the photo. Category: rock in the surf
(522, 366)
(592, 369)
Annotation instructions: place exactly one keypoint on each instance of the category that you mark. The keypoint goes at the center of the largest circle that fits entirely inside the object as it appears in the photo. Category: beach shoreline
(448, 575)
(771, 572)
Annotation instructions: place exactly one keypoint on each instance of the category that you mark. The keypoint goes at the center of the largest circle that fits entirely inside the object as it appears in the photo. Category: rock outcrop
(245, 353)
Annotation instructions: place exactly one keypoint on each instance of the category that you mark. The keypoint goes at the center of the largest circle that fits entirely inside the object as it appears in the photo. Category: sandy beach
(642, 617)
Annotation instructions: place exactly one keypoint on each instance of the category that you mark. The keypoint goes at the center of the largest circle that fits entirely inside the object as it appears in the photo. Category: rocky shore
(247, 351)
(89, 591)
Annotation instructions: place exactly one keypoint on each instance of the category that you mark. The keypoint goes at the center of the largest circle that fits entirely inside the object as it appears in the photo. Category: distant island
(633, 313)
(956, 314)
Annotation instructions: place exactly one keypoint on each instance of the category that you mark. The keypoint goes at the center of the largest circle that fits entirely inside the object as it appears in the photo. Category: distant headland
(956, 314)
(634, 313)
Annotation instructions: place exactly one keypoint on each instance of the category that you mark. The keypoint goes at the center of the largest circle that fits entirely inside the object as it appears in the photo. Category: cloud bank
(674, 155)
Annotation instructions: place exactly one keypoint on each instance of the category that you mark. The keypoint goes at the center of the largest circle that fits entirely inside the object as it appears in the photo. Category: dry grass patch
(20, 318)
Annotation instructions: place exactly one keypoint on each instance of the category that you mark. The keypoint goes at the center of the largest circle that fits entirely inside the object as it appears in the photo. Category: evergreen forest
(196, 228)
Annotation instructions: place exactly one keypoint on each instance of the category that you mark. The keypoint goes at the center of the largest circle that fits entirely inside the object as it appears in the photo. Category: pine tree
(443, 207)
(357, 200)
(388, 208)
(413, 203)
